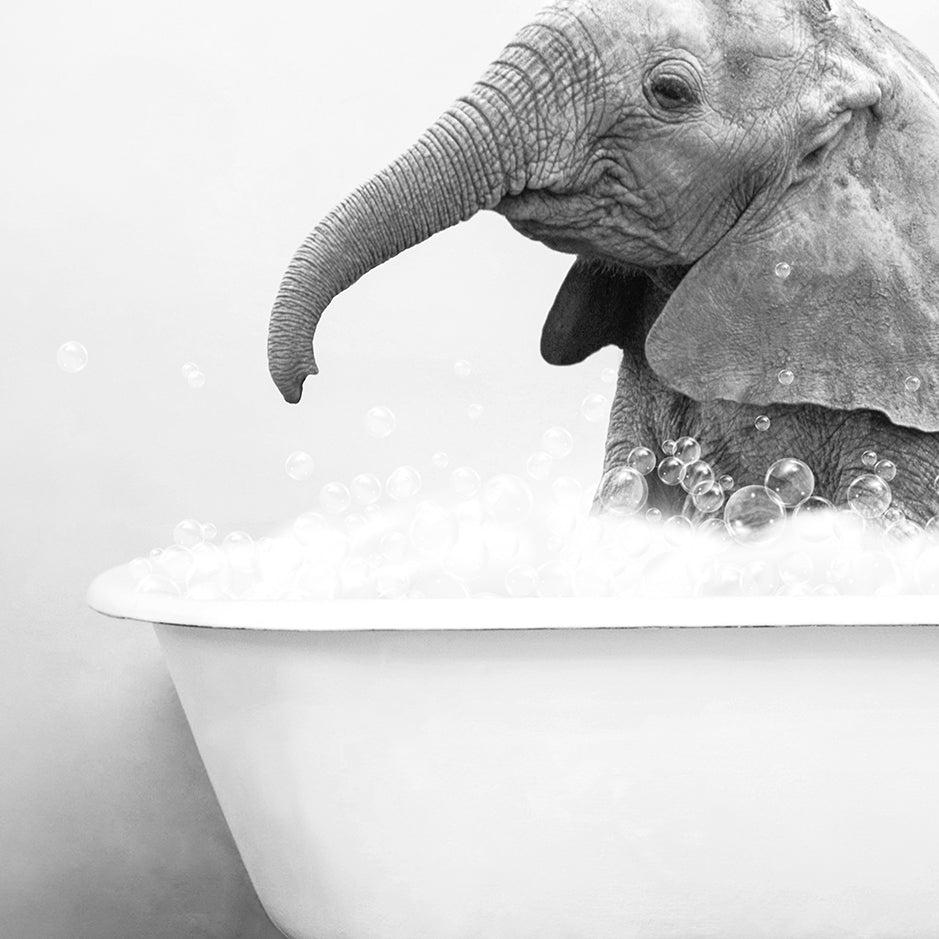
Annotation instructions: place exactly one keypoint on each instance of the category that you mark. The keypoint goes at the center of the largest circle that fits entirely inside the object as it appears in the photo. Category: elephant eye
(670, 92)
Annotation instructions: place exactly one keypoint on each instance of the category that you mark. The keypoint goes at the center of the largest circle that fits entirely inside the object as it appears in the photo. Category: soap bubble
(595, 408)
(380, 422)
(677, 530)
(782, 270)
(886, 470)
(507, 499)
(608, 376)
(335, 498)
(869, 458)
(474, 412)
(786, 376)
(393, 546)
(403, 483)
(440, 460)
(912, 383)
(465, 482)
(391, 582)
(893, 514)
(195, 380)
(708, 496)
(366, 489)
(209, 531)
(869, 496)
(671, 470)
(815, 518)
(668, 446)
(139, 568)
(187, 533)
(727, 482)
(762, 423)
(687, 449)
(555, 579)
(903, 529)
(539, 464)
(462, 368)
(932, 528)
(695, 473)
(176, 562)
(641, 459)
(299, 465)
(558, 442)
(72, 357)
(240, 550)
(521, 580)
(623, 491)
(567, 489)
(753, 515)
(791, 480)
(654, 514)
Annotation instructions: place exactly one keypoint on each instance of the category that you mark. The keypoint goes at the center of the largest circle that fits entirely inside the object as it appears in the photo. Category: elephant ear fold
(595, 307)
(840, 286)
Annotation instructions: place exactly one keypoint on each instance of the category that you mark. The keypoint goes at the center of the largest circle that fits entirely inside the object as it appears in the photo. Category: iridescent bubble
(786, 376)
(753, 515)
(815, 518)
(465, 482)
(335, 498)
(521, 580)
(595, 408)
(869, 496)
(912, 383)
(308, 525)
(380, 422)
(139, 568)
(404, 483)
(391, 582)
(366, 489)
(195, 380)
(641, 459)
(567, 490)
(240, 551)
(696, 472)
(539, 464)
(791, 480)
(72, 357)
(507, 499)
(474, 412)
(687, 449)
(671, 470)
(727, 482)
(558, 442)
(299, 465)
(188, 533)
(782, 270)
(677, 530)
(623, 491)
(886, 469)
(555, 579)
(708, 496)
(668, 446)
(440, 460)
(209, 531)
(462, 368)
(608, 376)
(394, 546)
(762, 423)
(869, 458)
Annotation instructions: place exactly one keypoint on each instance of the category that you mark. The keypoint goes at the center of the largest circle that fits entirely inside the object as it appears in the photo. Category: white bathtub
(557, 769)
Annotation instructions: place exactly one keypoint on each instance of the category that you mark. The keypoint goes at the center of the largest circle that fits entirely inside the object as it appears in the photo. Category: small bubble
(188, 533)
(521, 580)
(671, 470)
(195, 380)
(762, 422)
(869, 457)
(753, 515)
(440, 460)
(623, 491)
(558, 442)
(782, 270)
(299, 465)
(474, 412)
(539, 464)
(608, 376)
(707, 496)
(380, 422)
(462, 368)
(404, 483)
(366, 489)
(727, 482)
(668, 447)
(465, 482)
(687, 449)
(786, 376)
(507, 499)
(595, 408)
(641, 459)
(654, 515)
(791, 480)
(869, 496)
(209, 531)
(335, 498)
(566, 489)
(886, 469)
(696, 472)
(912, 383)
(72, 357)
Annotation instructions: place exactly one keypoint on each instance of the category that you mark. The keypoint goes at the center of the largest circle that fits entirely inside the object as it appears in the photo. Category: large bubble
(791, 480)
(869, 496)
(753, 515)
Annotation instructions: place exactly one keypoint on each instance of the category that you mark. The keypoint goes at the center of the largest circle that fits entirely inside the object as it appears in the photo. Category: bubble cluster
(71, 357)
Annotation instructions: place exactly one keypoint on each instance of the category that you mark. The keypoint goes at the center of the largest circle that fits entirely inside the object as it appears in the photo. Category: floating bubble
(687, 449)
(815, 517)
(391, 582)
(668, 447)
(507, 499)
(195, 380)
(335, 498)
(299, 465)
(209, 531)
(786, 376)
(727, 482)
(365, 489)
(440, 460)
(71, 357)
(791, 480)
(708, 496)
(567, 490)
(555, 579)
(462, 368)
(671, 470)
(474, 412)
(869, 458)
(380, 422)
(465, 482)
(912, 383)
(641, 459)
(623, 491)
(886, 469)
(677, 530)
(539, 464)
(608, 376)
(404, 483)
(595, 408)
(753, 515)
(188, 533)
(782, 270)
(558, 442)
(893, 514)
(762, 423)
(654, 514)
(869, 496)
(696, 472)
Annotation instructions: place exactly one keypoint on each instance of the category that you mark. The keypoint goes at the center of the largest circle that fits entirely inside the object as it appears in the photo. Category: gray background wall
(160, 164)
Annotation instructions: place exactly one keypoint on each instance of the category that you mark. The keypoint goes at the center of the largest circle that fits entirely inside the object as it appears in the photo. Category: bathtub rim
(112, 594)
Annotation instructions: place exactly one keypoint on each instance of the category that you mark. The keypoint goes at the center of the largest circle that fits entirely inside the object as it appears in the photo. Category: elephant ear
(857, 318)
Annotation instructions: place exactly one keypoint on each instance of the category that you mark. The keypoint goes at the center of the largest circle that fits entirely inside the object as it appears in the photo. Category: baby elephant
(752, 194)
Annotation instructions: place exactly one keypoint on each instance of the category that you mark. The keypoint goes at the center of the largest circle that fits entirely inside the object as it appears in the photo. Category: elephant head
(748, 188)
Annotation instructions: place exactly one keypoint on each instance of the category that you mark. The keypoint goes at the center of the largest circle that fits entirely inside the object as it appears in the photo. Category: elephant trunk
(516, 130)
